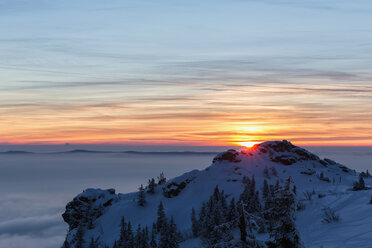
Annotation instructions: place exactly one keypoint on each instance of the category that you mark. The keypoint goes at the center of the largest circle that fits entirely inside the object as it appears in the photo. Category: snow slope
(330, 181)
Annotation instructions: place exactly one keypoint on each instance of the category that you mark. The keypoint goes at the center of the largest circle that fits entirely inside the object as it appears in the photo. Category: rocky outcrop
(86, 207)
(230, 156)
(173, 189)
(285, 152)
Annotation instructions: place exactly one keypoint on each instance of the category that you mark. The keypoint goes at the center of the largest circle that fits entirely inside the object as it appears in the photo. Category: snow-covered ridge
(99, 212)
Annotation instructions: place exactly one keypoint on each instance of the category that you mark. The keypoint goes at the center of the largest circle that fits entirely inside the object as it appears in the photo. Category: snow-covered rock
(100, 211)
(86, 207)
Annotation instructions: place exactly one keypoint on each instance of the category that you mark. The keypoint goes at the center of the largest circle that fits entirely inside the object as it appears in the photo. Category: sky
(169, 72)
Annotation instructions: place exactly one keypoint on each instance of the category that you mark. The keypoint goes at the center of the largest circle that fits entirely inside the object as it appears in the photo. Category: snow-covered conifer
(173, 235)
(232, 212)
(161, 222)
(141, 196)
(283, 231)
(242, 223)
(161, 179)
(93, 243)
(153, 243)
(151, 186)
(194, 223)
(265, 189)
(79, 237)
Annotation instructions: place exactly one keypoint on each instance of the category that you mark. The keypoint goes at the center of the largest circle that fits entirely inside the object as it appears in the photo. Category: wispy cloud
(170, 72)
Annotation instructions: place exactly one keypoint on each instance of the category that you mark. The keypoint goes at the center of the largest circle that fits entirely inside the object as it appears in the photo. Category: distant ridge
(118, 152)
(84, 151)
(172, 153)
(16, 152)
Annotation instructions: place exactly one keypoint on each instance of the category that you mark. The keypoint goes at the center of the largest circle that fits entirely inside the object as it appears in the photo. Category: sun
(248, 144)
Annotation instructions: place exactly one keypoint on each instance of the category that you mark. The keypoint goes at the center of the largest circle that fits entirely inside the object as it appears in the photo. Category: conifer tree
(274, 171)
(161, 179)
(93, 243)
(153, 243)
(265, 190)
(242, 223)
(284, 232)
(123, 233)
(164, 236)
(232, 212)
(141, 196)
(115, 245)
(161, 221)
(172, 233)
(151, 186)
(361, 183)
(194, 223)
(79, 237)
(276, 185)
(145, 238)
(129, 242)
(138, 237)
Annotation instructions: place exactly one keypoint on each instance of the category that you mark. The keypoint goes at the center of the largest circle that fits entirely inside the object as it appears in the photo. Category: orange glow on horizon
(248, 144)
(223, 116)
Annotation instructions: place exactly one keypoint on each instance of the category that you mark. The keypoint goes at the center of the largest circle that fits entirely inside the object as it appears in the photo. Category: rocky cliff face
(86, 207)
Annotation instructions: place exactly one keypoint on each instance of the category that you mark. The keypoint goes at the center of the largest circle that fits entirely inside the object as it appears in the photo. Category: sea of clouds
(35, 188)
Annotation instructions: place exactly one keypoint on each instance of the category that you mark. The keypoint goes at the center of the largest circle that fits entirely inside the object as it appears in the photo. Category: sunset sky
(185, 72)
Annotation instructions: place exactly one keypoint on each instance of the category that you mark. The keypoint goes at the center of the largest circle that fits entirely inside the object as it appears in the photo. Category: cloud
(41, 226)
(30, 220)
(16, 241)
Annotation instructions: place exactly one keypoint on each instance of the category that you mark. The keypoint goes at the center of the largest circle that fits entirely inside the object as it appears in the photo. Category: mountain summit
(273, 184)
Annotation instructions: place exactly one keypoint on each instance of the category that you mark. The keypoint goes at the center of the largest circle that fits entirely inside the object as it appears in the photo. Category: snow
(354, 228)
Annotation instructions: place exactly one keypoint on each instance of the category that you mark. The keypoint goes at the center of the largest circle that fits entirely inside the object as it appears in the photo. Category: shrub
(308, 195)
(330, 215)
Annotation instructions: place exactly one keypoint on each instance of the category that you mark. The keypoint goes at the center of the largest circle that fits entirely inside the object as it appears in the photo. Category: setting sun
(248, 143)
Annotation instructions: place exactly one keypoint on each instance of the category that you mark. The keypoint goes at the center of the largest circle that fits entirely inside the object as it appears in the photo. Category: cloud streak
(140, 72)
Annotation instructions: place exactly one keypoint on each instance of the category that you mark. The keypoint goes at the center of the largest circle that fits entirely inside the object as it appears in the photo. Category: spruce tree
(265, 190)
(283, 230)
(164, 236)
(123, 233)
(172, 233)
(276, 185)
(151, 186)
(161, 179)
(93, 243)
(115, 245)
(153, 243)
(194, 223)
(138, 237)
(79, 237)
(232, 212)
(129, 242)
(161, 221)
(274, 171)
(361, 183)
(242, 223)
(145, 238)
(141, 196)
